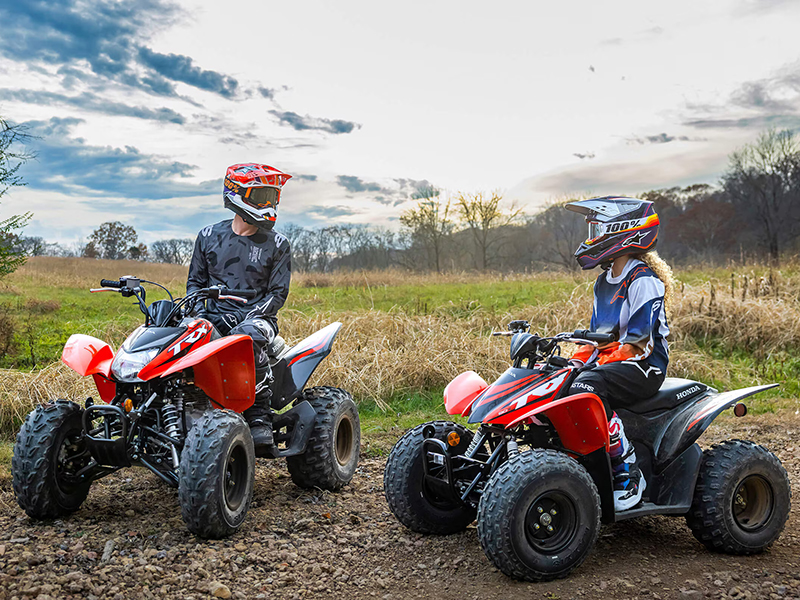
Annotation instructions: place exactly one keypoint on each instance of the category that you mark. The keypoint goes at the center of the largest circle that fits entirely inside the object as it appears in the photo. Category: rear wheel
(742, 498)
(413, 503)
(539, 516)
(216, 474)
(331, 458)
(48, 453)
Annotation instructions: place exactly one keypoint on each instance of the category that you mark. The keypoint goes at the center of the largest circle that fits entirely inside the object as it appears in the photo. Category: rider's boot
(629, 483)
(259, 417)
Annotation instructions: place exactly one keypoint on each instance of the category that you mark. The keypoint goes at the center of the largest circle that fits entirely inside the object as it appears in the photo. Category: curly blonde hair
(663, 271)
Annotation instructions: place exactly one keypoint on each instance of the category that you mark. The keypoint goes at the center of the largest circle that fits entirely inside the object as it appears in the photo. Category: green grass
(40, 337)
(458, 299)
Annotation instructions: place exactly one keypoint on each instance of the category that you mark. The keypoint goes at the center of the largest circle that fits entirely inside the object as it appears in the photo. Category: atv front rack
(447, 474)
(111, 449)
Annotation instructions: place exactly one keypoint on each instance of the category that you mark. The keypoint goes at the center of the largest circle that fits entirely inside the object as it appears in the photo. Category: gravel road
(128, 542)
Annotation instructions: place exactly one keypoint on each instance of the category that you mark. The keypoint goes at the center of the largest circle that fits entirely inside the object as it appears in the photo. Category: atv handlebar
(593, 336)
(110, 283)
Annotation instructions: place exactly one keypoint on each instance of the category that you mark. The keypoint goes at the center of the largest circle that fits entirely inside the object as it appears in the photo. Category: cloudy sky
(139, 106)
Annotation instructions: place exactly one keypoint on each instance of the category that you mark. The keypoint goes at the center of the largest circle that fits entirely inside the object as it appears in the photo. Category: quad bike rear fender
(224, 369)
(690, 422)
(462, 391)
(298, 364)
(579, 419)
(87, 355)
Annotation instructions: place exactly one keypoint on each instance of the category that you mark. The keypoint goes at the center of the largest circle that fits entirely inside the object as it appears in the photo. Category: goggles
(596, 230)
(261, 198)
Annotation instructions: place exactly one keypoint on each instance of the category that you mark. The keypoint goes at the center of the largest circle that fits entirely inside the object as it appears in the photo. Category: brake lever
(503, 333)
(236, 298)
(104, 289)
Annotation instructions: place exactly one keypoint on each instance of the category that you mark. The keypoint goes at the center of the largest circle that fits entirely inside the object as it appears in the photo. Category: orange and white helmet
(253, 191)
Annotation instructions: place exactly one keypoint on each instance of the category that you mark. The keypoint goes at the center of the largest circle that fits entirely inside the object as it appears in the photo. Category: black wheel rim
(551, 522)
(71, 456)
(753, 503)
(236, 474)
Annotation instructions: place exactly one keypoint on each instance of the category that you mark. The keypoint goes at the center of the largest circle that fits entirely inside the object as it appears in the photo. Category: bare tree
(763, 178)
(484, 217)
(558, 234)
(175, 251)
(430, 225)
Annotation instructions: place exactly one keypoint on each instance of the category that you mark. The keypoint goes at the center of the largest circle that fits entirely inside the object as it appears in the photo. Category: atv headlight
(126, 365)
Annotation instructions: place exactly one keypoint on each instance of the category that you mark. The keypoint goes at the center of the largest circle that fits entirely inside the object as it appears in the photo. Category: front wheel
(742, 498)
(48, 454)
(539, 516)
(332, 454)
(217, 471)
(411, 500)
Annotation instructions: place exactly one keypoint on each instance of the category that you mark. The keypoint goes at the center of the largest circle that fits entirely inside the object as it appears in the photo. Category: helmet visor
(596, 230)
(262, 197)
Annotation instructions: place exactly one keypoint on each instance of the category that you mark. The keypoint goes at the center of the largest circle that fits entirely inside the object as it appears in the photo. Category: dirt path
(128, 542)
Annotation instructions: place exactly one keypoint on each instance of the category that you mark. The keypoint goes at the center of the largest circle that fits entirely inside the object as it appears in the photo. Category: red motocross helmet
(253, 192)
(617, 226)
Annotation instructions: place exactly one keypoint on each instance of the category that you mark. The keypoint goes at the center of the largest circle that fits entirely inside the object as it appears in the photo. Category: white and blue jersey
(632, 307)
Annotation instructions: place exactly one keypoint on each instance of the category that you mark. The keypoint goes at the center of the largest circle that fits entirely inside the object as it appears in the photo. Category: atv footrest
(648, 508)
(298, 424)
(108, 442)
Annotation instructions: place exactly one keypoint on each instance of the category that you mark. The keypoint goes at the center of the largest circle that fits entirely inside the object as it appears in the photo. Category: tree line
(753, 212)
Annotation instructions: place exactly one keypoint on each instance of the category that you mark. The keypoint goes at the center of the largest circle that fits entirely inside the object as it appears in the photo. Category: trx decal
(190, 339)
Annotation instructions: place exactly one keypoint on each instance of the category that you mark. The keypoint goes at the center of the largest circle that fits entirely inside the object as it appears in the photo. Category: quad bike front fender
(580, 421)
(224, 369)
(692, 421)
(462, 391)
(87, 355)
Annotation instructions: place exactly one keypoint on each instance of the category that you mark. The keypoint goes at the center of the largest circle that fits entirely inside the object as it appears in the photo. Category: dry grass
(380, 354)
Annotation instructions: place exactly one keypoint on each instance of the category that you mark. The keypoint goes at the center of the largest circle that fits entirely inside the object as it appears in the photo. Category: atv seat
(674, 392)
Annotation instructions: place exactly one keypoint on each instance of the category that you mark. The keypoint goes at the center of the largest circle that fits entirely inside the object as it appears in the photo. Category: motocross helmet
(617, 226)
(253, 192)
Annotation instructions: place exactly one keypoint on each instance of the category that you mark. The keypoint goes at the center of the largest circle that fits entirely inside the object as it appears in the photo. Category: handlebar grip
(240, 293)
(110, 283)
(593, 336)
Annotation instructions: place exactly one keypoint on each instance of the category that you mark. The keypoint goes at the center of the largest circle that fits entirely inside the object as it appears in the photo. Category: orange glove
(584, 352)
(620, 352)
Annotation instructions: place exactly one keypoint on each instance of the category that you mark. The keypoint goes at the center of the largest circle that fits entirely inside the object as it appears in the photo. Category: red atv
(539, 509)
(172, 398)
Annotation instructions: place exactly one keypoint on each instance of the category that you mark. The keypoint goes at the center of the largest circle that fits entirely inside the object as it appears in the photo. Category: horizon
(140, 107)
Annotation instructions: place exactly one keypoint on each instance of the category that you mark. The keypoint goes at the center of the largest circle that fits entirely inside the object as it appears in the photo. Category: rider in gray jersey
(246, 253)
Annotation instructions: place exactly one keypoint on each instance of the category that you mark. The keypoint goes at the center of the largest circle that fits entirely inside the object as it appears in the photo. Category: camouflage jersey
(260, 262)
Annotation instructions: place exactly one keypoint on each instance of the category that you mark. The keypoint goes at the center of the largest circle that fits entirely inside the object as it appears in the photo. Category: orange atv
(171, 400)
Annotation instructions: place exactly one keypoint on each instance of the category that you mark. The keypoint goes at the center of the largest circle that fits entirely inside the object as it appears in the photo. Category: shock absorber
(477, 440)
(170, 420)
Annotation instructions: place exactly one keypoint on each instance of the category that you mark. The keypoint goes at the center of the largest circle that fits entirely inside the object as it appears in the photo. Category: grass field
(405, 336)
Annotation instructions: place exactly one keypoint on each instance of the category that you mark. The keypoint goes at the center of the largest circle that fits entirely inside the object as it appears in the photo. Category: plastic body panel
(670, 432)
(198, 333)
(580, 421)
(296, 366)
(514, 393)
(224, 369)
(87, 355)
(462, 391)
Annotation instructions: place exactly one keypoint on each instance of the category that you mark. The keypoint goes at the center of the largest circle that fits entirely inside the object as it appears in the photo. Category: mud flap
(298, 423)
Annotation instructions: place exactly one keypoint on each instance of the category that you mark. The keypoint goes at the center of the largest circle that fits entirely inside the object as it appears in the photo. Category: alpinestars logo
(635, 239)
